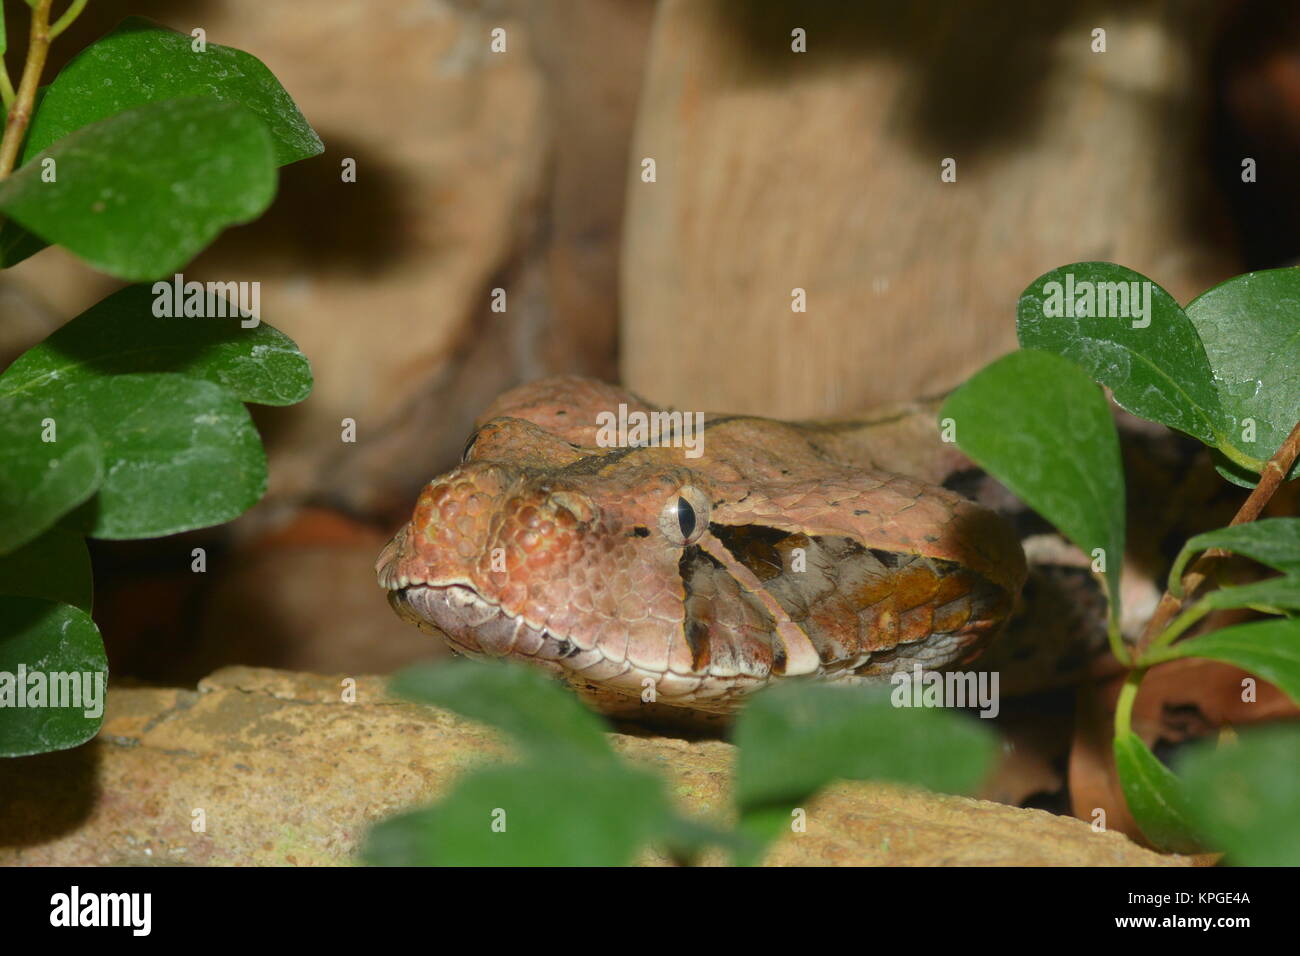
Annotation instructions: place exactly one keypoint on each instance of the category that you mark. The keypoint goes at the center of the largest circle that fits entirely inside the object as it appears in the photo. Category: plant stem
(69, 15)
(1180, 624)
(1117, 646)
(1235, 455)
(1270, 479)
(20, 113)
(1124, 705)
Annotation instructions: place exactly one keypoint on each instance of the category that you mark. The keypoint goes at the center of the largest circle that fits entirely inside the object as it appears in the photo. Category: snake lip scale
(477, 628)
(639, 573)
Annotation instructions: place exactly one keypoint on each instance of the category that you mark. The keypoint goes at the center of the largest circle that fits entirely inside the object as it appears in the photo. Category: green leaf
(1157, 370)
(1229, 470)
(1268, 649)
(56, 567)
(121, 334)
(1271, 541)
(1038, 423)
(1252, 337)
(139, 194)
(1280, 594)
(1245, 797)
(40, 481)
(44, 638)
(795, 739)
(4, 42)
(545, 813)
(140, 63)
(1155, 797)
(546, 720)
(684, 840)
(179, 453)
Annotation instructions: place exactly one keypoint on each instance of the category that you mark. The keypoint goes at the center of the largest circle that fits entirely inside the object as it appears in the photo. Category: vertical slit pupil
(685, 517)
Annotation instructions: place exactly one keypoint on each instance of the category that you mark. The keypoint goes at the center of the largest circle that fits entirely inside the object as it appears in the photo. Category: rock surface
(821, 170)
(282, 771)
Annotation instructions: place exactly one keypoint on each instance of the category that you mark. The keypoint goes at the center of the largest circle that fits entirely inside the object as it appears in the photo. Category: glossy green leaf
(1143, 347)
(179, 453)
(121, 334)
(1155, 797)
(545, 719)
(50, 655)
(56, 567)
(1268, 649)
(1245, 797)
(140, 62)
(1251, 329)
(139, 194)
(1271, 541)
(1282, 594)
(545, 813)
(42, 480)
(793, 740)
(1039, 424)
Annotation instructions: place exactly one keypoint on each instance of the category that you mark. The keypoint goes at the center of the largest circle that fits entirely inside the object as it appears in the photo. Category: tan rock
(779, 170)
(284, 771)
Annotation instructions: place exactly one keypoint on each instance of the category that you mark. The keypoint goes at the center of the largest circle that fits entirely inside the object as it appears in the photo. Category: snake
(689, 575)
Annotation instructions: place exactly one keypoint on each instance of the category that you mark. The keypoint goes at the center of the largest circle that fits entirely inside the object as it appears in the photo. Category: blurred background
(774, 170)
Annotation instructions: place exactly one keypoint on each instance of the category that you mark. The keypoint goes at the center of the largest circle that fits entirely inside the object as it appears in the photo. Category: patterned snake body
(643, 574)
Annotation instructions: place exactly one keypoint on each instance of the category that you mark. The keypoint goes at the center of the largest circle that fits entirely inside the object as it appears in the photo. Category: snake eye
(684, 516)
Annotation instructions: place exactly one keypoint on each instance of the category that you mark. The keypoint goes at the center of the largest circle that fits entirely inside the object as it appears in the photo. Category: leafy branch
(128, 422)
(1158, 631)
(22, 104)
(1222, 371)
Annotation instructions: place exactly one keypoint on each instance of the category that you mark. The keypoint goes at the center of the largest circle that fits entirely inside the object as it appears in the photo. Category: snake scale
(648, 578)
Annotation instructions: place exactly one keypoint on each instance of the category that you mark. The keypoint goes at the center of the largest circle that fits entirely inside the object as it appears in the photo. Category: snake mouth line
(477, 627)
(475, 624)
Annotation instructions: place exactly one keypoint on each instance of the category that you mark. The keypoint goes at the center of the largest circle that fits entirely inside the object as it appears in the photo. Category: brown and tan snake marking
(779, 553)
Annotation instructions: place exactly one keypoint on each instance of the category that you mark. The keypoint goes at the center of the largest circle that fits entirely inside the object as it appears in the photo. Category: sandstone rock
(779, 170)
(285, 772)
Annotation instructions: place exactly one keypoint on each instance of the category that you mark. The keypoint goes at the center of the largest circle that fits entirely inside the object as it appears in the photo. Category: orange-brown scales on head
(701, 571)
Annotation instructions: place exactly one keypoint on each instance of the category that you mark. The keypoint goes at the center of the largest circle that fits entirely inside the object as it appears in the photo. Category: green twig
(69, 15)
(1180, 625)
(1116, 638)
(1124, 705)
